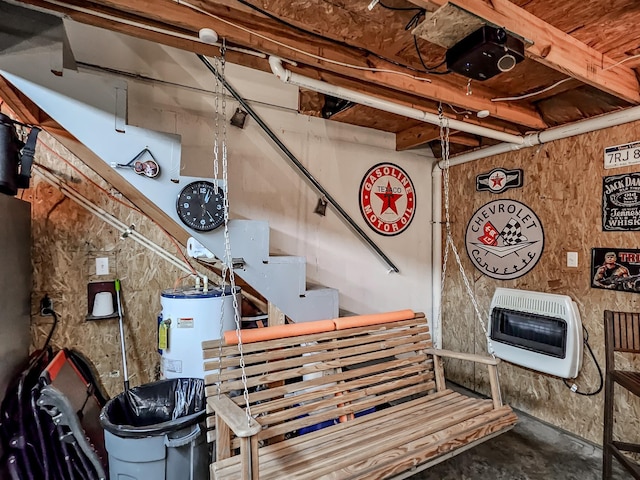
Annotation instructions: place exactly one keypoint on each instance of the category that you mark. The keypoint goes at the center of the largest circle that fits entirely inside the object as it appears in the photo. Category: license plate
(622, 155)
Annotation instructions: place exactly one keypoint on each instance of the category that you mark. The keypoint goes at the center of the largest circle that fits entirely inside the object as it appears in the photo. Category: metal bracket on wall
(299, 167)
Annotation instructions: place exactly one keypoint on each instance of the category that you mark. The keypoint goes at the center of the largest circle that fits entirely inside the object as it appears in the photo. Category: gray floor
(532, 450)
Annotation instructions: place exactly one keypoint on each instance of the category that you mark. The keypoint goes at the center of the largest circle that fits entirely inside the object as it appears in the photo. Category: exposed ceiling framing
(580, 42)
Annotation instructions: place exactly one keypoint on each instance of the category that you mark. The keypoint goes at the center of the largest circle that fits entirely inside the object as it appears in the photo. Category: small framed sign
(621, 203)
(498, 180)
(615, 269)
(622, 155)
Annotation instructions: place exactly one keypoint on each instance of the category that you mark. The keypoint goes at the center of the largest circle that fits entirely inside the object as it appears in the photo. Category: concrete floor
(532, 450)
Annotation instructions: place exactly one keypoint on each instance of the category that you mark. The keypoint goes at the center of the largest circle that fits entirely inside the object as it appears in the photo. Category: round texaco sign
(504, 239)
(387, 199)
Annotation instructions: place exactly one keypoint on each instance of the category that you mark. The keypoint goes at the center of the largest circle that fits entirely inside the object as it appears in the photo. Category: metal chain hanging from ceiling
(220, 152)
(444, 144)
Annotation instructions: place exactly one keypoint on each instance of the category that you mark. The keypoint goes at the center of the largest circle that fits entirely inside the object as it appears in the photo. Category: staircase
(93, 109)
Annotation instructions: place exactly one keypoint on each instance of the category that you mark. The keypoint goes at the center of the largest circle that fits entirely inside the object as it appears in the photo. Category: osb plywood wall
(66, 241)
(563, 186)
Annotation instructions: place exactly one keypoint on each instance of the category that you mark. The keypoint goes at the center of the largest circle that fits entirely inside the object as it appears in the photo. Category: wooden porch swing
(350, 398)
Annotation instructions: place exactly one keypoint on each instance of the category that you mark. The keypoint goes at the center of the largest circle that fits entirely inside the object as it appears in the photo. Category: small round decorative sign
(387, 199)
(504, 239)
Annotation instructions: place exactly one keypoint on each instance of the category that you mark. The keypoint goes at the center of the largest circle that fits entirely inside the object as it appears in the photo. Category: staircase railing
(299, 167)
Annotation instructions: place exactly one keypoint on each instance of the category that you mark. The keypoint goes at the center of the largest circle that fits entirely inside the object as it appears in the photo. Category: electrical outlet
(102, 266)
(46, 306)
(572, 259)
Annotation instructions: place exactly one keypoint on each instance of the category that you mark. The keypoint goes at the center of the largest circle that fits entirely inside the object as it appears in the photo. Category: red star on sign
(389, 199)
(496, 180)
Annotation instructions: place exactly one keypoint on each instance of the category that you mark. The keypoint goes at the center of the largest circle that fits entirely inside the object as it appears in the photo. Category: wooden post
(223, 439)
(439, 372)
(495, 386)
(276, 317)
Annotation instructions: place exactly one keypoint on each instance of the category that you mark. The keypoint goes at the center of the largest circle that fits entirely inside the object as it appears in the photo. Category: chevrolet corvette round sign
(387, 199)
(504, 239)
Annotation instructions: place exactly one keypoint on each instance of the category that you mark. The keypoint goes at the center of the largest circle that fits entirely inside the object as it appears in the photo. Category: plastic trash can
(156, 431)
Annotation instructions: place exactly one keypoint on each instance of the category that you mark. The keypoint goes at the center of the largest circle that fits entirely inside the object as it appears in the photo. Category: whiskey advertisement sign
(621, 203)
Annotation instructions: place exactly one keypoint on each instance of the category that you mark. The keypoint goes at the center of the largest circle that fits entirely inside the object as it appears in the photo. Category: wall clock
(199, 206)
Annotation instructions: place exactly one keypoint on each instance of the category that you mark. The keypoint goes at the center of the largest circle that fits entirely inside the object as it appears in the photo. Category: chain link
(449, 244)
(216, 159)
(227, 261)
(216, 146)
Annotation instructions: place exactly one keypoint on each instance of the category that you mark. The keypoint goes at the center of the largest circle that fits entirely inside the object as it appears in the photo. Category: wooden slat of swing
(381, 367)
(375, 445)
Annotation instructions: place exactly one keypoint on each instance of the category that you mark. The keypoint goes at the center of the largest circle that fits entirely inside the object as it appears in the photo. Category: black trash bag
(155, 408)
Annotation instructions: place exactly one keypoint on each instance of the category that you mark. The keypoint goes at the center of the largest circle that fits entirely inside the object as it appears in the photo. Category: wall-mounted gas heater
(540, 331)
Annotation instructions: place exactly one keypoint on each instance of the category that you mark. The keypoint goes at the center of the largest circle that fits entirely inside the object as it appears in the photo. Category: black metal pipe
(301, 168)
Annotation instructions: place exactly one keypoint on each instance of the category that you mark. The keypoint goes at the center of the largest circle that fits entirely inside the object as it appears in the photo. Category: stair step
(316, 304)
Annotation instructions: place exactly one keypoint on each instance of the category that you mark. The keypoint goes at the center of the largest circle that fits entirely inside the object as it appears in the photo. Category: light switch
(102, 266)
(572, 259)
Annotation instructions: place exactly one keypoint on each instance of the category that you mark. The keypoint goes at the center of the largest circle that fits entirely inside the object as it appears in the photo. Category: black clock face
(200, 207)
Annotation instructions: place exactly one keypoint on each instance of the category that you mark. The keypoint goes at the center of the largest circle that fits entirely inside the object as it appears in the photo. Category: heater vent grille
(537, 330)
(540, 306)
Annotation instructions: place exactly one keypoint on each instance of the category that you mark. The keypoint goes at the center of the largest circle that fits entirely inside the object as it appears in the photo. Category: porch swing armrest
(233, 416)
(472, 357)
(490, 362)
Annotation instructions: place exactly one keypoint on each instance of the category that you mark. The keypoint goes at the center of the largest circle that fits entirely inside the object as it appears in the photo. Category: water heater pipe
(551, 134)
(288, 76)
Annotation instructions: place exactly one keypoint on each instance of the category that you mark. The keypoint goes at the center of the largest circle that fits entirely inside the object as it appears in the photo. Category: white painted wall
(262, 185)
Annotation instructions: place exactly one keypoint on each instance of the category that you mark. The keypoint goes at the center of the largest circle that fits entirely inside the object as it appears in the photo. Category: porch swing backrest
(365, 401)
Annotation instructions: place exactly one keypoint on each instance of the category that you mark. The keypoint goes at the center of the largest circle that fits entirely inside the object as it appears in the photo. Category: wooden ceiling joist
(175, 16)
(422, 134)
(552, 47)
(19, 103)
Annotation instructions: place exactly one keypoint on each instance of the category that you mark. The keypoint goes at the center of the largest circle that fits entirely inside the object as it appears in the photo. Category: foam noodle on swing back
(373, 319)
(319, 326)
(279, 331)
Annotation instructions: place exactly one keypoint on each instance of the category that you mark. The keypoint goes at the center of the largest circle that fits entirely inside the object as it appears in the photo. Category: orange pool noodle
(373, 319)
(279, 331)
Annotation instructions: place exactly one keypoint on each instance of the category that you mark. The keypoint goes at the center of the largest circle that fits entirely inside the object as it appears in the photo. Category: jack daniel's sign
(621, 202)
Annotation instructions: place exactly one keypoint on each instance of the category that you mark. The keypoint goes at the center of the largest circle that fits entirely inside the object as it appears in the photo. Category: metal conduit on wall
(510, 143)
(114, 222)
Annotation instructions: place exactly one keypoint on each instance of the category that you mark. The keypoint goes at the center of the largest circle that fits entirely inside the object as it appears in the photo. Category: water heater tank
(189, 317)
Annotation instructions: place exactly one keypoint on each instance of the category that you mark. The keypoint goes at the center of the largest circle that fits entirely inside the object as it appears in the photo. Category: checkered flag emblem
(511, 234)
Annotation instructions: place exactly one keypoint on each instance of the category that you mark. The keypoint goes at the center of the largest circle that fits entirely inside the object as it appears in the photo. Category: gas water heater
(189, 317)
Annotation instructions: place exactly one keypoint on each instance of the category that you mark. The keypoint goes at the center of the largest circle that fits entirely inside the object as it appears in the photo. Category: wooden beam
(464, 139)
(416, 136)
(552, 47)
(422, 134)
(22, 106)
(256, 32)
